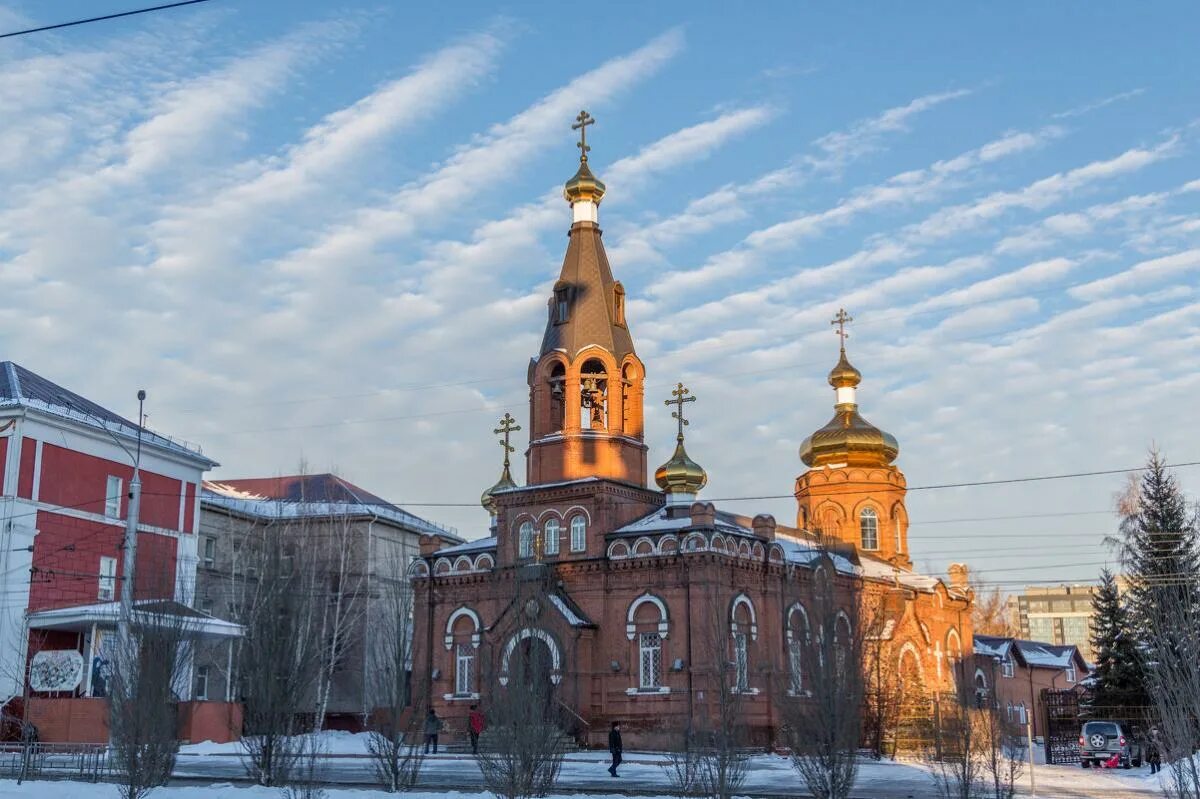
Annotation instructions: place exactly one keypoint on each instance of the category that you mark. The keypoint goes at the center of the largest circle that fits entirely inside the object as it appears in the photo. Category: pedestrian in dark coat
(614, 747)
(433, 725)
(1153, 755)
(475, 725)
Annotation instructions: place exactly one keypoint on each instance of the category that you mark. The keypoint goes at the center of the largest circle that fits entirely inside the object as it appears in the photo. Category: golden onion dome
(584, 185)
(844, 375)
(848, 439)
(505, 482)
(681, 474)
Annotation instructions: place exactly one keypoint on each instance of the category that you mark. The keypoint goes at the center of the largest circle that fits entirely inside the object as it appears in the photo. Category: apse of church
(614, 582)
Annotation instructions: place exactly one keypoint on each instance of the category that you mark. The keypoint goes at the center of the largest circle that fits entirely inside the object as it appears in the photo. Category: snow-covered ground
(584, 776)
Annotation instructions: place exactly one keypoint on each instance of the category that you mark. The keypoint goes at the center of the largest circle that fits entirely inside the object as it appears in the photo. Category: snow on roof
(19, 387)
(880, 570)
(992, 647)
(571, 614)
(245, 500)
(1048, 656)
(657, 522)
(479, 545)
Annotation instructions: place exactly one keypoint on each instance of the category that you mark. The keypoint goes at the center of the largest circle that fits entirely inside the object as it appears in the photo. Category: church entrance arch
(533, 657)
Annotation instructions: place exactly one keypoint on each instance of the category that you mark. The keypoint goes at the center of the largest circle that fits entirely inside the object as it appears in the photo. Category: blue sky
(327, 231)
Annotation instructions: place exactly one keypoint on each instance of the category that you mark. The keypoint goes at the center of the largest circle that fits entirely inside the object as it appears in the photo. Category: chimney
(764, 526)
(703, 514)
(959, 576)
(429, 545)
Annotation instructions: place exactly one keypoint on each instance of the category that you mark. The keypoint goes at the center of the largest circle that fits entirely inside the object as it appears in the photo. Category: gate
(1060, 714)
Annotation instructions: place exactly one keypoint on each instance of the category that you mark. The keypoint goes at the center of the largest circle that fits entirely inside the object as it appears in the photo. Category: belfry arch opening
(593, 395)
(558, 397)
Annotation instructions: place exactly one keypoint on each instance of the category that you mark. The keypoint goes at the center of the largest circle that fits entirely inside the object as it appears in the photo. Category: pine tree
(1119, 679)
(1161, 553)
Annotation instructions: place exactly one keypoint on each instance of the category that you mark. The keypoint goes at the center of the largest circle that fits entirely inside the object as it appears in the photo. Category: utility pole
(130, 547)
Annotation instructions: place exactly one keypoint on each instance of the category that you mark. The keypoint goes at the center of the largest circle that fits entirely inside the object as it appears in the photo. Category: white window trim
(579, 545)
(461, 689)
(107, 579)
(112, 497)
(201, 674)
(551, 531)
(643, 650)
(525, 533)
(869, 513)
(1008, 668)
(1070, 674)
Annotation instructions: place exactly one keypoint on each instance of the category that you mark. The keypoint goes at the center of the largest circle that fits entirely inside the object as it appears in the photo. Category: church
(630, 575)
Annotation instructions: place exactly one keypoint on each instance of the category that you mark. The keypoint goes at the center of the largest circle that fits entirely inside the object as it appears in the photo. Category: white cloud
(1138, 276)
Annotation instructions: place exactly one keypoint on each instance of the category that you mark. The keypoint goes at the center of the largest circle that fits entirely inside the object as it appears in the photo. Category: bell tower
(852, 492)
(586, 385)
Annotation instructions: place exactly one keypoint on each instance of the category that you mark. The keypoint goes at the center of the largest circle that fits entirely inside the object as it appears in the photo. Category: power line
(117, 15)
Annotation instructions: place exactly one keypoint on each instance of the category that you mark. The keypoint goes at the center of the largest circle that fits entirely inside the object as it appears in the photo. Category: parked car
(1100, 741)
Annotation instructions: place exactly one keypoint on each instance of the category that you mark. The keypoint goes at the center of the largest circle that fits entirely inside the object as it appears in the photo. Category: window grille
(650, 646)
(464, 666)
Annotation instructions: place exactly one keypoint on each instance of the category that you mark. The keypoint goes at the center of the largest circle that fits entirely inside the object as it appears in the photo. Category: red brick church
(630, 573)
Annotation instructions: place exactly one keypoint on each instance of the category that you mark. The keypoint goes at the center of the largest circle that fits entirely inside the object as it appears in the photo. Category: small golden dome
(844, 375)
(584, 185)
(681, 474)
(848, 439)
(505, 482)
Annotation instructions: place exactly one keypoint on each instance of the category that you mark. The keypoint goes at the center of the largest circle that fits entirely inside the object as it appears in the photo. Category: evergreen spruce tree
(1119, 679)
(1161, 555)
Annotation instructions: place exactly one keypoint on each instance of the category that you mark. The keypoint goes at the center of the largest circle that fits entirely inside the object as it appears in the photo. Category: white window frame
(107, 588)
(1007, 667)
(201, 680)
(464, 669)
(550, 535)
(525, 540)
(208, 556)
(114, 487)
(869, 514)
(1071, 673)
(650, 659)
(578, 533)
(741, 661)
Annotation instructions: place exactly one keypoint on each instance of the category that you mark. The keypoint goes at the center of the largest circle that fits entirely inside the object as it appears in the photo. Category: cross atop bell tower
(586, 384)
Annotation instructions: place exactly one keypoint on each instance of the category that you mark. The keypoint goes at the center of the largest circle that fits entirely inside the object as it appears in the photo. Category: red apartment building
(65, 470)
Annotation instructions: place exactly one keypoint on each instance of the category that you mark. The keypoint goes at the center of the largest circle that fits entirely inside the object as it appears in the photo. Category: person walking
(1153, 755)
(614, 747)
(433, 725)
(475, 725)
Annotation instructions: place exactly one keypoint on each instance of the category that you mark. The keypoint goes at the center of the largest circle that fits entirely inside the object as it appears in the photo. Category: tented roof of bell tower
(592, 299)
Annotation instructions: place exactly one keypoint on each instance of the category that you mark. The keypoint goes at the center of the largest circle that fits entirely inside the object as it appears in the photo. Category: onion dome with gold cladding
(505, 482)
(681, 478)
(848, 439)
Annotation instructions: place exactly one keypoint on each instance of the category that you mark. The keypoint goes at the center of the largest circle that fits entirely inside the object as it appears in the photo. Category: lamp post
(130, 546)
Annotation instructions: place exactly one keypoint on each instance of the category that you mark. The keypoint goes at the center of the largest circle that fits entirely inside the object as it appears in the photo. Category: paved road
(770, 778)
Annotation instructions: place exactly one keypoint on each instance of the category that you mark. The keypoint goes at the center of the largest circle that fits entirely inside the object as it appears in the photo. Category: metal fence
(42, 761)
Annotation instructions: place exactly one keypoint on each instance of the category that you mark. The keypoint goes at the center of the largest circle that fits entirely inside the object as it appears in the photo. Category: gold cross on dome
(581, 122)
(508, 426)
(841, 320)
(681, 396)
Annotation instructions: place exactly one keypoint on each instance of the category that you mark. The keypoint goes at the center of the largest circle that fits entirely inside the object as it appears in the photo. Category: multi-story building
(362, 544)
(65, 469)
(1058, 614)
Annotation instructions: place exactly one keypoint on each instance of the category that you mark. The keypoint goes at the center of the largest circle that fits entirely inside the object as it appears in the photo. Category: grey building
(366, 545)
(1057, 614)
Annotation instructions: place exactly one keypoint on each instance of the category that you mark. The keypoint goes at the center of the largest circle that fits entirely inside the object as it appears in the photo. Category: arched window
(462, 638)
(578, 533)
(797, 634)
(646, 623)
(868, 525)
(525, 540)
(649, 660)
(551, 540)
(743, 625)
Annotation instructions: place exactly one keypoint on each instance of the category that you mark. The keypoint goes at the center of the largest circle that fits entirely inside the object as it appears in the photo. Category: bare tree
(306, 778)
(1174, 630)
(395, 715)
(715, 756)
(339, 559)
(150, 676)
(956, 758)
(990, 614)
(822, 707)
(882, 691)
(520, 752)
(1003, 748)
(278, 659)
